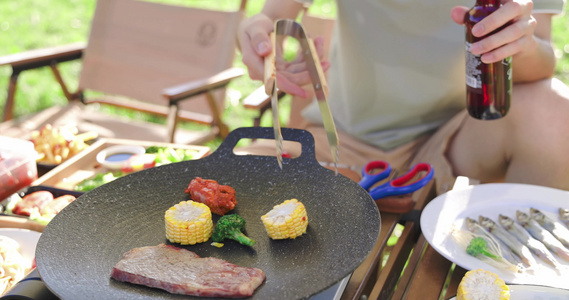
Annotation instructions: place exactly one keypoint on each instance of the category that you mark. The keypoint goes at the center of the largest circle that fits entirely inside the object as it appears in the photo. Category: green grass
(32, 24)
(561, 41)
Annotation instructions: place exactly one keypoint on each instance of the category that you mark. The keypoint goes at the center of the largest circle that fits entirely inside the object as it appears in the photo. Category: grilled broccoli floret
(231, 227)
(479, 246)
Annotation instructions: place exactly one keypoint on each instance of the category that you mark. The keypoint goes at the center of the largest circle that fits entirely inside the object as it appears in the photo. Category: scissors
(377, 170)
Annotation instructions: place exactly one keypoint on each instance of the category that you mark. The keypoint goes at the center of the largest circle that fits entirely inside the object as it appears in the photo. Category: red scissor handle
(405, 184)
(407, 178)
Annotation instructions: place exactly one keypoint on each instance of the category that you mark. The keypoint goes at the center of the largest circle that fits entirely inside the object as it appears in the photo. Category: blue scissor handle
(369, 178)
(401, 186)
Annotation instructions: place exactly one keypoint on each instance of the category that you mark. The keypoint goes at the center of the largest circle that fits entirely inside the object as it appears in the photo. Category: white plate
(27, 239)
(535, 292)
(449, 211)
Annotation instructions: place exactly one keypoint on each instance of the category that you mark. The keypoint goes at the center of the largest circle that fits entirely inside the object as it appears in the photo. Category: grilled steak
(180, 271)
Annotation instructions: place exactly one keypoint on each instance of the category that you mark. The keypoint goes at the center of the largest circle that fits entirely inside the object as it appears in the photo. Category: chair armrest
(199, 86)
(257, 99)
(43, 57)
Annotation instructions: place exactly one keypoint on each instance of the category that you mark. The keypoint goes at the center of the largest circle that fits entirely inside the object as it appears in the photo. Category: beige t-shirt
(397, 68)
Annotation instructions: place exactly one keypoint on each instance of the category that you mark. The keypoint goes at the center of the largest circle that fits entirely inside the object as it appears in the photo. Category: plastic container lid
(14, 145)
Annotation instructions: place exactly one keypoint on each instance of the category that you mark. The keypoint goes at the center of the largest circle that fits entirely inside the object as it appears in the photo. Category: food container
(17, 165)
(84, 166)
(45, 211)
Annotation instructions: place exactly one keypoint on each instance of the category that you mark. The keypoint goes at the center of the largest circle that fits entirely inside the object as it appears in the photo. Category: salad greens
(98, 180)
(167, 155)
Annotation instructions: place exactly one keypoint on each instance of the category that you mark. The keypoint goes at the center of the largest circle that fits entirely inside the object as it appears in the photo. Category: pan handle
(301, 136)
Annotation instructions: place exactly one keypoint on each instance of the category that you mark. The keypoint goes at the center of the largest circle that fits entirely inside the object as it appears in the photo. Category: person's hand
(515, 39)
(253, 35)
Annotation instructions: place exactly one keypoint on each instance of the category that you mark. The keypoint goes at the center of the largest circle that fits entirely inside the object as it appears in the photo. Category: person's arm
(540, 63)
(527, 39)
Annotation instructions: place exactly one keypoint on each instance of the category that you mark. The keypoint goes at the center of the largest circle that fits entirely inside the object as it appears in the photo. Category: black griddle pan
(80, 246)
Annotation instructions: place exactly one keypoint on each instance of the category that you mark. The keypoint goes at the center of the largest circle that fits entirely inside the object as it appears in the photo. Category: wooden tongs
(284, 28)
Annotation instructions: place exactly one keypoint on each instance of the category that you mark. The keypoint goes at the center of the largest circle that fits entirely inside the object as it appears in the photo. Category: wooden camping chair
(158, 54)
(258, 100)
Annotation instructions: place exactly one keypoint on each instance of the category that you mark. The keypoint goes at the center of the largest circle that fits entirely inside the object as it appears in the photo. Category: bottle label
(473, 72)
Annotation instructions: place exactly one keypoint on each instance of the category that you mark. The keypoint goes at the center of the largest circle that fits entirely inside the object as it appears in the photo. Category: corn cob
(188, 223)
(286, 220)
(480, 284)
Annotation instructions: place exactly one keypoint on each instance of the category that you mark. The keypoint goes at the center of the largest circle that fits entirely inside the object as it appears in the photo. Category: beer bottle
(488, 86)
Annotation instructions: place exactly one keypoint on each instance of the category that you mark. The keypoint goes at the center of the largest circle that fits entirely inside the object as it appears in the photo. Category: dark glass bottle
(488, 86)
